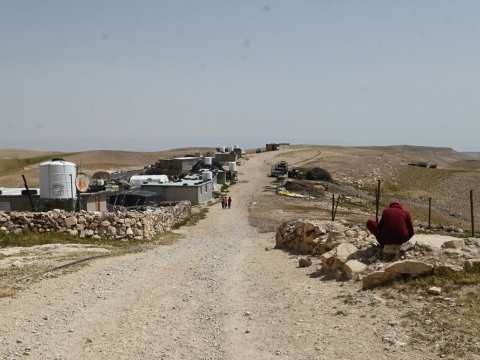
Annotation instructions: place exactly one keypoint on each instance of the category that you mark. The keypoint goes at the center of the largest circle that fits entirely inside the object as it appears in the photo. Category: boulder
(70, 221)
(453, 244)
(391, 249)
(352, 268)
(471, 263)
(304, 262)
(378, 278)
(341, 254)
(410, 267)
(446, 269)
(407, 246)
(327, 261)
(434, 290)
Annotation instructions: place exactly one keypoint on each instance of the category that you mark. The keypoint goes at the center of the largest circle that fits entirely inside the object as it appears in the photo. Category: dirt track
(215, 294)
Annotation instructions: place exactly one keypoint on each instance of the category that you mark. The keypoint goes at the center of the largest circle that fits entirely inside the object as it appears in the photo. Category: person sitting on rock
(395, 226)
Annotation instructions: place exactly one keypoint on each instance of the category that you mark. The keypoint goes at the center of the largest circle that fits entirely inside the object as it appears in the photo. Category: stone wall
(347, 250)
(99, 225)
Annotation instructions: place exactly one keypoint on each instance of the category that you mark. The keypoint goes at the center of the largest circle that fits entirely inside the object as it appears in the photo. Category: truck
(294, 171)
(279, 169)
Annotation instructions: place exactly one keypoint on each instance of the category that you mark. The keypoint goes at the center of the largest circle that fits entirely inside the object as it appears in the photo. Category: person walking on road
(229, 202)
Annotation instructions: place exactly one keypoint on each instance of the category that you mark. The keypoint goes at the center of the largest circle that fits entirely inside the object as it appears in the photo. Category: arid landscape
(220, 290)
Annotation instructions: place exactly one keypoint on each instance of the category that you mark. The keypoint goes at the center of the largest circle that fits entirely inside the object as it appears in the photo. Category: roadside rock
(410, 267)
(378, 278)
(304, 262)
(453, 244)
(352, 268)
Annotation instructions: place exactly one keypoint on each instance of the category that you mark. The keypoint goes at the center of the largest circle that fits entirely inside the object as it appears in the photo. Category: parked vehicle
(258, 151)
(293, 172)
(279, 169)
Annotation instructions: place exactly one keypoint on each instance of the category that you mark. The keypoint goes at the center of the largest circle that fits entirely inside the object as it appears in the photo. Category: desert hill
(359, 167)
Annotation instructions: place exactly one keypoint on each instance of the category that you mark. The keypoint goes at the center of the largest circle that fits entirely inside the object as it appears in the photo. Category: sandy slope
(215, 294)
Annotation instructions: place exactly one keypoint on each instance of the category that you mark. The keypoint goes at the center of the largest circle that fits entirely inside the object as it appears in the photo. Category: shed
(133, 198)
(194, 190)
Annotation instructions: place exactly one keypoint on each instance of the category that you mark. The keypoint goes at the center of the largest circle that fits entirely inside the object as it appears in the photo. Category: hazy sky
(326, 72)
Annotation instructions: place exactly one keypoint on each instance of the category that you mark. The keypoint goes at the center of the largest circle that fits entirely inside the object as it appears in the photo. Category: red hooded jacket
(396, 224)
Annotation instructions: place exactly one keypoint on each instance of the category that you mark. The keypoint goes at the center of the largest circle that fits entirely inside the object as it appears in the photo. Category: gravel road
(215, 294)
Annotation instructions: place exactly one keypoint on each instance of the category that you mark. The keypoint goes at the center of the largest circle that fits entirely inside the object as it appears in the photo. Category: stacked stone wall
(348, 250)
(128, 225)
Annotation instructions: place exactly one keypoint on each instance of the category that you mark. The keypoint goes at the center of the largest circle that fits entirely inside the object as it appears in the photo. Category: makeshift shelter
(134, 198)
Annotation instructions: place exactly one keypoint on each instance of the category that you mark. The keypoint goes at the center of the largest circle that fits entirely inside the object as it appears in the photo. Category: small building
(12, 199)
(239, 152)
(277, 146)
(133, 198)
(196, 191)
(225, 157)
(180, 164)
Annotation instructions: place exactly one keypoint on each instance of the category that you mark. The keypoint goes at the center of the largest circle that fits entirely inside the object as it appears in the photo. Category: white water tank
(207, 175)
(57, 179)
(222, 149)
(235, 146)
(232, 166)
(207, 160)
(100, 182)
(230, 149)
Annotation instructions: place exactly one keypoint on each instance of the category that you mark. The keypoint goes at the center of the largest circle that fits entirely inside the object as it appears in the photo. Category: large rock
(327, 260)
(352, 268)
(304, 262)
(471, 263)
(334, 239)
(378, 278)
(391, 249)
(453, 244)
(340, 255)
(410, 267)
(446, 269)
(407, 246)
(70, 221)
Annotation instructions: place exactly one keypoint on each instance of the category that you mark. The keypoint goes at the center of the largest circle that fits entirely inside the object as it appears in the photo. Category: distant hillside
(438, 155)
(472, 153)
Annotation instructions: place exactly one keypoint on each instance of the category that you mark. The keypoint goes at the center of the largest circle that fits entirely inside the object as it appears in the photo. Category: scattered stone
(304, 262)
(446, 269)
(391, 249)
(378, 277)
(410, 267)
(471, 263)
(407, 246)
(428, 322)
(453, 244)
(434, 290)
(353, 267)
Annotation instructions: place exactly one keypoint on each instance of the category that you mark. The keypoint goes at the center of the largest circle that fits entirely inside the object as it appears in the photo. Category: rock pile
(349, 251)
(98, 225)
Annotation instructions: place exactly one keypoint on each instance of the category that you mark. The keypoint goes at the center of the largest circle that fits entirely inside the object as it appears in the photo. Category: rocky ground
(220, 291)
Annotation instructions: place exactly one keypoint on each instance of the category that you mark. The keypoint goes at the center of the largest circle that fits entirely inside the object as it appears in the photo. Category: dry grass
(454, 326)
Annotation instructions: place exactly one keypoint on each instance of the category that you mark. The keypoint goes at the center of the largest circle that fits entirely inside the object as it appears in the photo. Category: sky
(153, 75)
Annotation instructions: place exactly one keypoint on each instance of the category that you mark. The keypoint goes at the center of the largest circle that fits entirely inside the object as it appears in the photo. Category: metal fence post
(471, 213)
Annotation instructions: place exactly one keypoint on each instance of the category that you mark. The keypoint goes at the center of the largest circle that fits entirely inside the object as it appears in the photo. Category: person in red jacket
(395, 226)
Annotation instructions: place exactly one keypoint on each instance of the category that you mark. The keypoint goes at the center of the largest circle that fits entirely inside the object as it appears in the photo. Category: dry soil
(221, 292)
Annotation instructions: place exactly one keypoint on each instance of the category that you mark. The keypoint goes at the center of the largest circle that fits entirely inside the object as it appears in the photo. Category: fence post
(377, 200)
(429, 212)
(471, 213)
(333, 205)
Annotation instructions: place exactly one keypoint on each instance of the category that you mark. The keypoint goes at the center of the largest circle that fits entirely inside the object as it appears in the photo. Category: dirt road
(215, 294)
